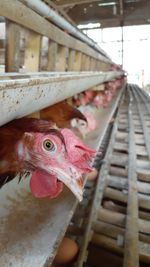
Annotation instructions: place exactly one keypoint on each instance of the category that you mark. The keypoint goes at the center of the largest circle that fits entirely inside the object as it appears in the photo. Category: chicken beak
(72, 179)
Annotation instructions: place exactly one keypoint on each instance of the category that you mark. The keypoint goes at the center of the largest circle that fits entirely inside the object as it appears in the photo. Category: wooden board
(12, 53)
(19, 13)
(32, 52)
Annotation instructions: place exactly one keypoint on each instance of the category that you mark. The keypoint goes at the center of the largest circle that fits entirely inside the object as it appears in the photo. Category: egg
(67, 251)
(92, 175)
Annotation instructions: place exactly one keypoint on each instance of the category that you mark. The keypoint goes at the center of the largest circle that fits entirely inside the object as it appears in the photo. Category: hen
(51, 155)
(61, 113)
(85, 127)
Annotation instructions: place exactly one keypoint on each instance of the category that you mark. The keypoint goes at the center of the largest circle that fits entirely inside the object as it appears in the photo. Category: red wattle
(43, 185)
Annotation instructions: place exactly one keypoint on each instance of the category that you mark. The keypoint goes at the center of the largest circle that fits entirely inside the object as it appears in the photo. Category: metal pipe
(45, 11)
(60, 10)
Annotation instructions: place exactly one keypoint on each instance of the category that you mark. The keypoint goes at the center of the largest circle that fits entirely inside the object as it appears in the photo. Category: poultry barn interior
(75, 133)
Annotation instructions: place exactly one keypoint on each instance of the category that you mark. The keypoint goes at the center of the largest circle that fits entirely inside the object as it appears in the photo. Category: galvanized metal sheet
(31, 229)
(21, 95)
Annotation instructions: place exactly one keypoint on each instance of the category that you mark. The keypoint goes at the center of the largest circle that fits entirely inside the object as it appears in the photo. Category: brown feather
(10, 134)
(61, 113)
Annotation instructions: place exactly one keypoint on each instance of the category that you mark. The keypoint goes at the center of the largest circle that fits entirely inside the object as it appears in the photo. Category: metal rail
(119, 219)
(29, 93)
(131, 250)
(141, 108)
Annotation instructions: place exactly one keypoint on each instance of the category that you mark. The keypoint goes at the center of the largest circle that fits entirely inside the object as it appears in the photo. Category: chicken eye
(48, 145)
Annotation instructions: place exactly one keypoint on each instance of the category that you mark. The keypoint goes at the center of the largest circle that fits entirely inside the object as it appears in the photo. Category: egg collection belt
(115, 213)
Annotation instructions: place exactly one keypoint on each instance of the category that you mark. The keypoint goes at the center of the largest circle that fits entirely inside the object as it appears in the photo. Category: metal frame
(28, 93)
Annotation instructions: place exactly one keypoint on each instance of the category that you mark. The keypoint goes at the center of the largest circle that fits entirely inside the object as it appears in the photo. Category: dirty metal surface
(22, 94)
(31, 229)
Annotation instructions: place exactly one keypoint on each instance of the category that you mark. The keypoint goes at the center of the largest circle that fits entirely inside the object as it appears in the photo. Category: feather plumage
(39, 147)
(61, 114)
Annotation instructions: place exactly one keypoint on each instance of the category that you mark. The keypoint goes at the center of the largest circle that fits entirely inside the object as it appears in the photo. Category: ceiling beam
(69, 3)
(116, 23)
(92, 13)
(138, 6)
(125, 12)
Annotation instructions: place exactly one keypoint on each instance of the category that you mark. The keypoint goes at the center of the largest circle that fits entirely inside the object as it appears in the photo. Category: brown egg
(92, 175)
(67, 251)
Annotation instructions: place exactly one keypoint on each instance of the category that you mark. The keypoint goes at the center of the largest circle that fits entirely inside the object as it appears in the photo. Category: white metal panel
(21, 95)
